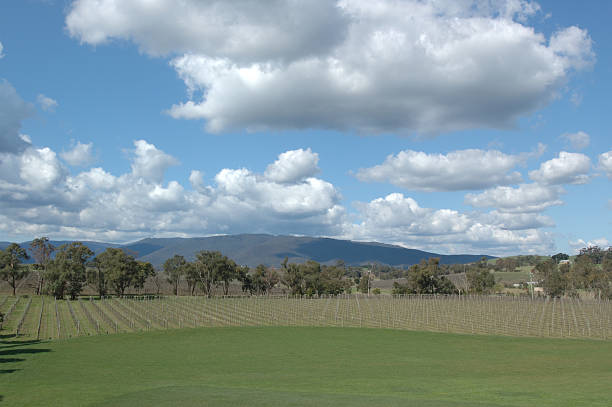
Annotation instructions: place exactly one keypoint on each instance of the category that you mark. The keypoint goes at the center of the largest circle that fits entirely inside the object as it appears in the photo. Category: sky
(463, 126)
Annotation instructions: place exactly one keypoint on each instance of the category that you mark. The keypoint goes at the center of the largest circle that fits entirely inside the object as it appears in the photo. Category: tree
(145, 270)
(293, 277)
(41, 250)
(11, 269)
(553, 280)
(480, 279)
(226, 272)
(212, 269)
(117, 269)
(593, 276)
(174, 268)
(68, 271)
(364, 283)
(191, 276)
(264, 279)
(311, 279)
(425, 278)
(206, 269)
(157, 281)
(595, 253)
(333, 281)
(560, 256)
(246, 279)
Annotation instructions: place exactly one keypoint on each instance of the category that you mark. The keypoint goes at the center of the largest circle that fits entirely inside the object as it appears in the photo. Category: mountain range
(271, 250)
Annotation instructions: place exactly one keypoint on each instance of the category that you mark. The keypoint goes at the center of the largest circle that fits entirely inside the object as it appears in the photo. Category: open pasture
(305, 366)
(46, 318)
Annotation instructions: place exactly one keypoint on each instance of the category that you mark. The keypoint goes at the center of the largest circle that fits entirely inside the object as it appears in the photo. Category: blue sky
(459, 127)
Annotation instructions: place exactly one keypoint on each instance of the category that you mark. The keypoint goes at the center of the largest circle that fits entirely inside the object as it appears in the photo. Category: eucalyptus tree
(208, 265)
(174, 268)
(41, 250)
(67, 272)
(264, 279)
(145, 271)
(11, 268)
(117, 269)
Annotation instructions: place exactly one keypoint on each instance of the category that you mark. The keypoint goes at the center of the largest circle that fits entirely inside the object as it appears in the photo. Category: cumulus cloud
(455, 171)
(568, 168)
(574, 45)
(293, 166)
(242, 30)
(80, 155)
(149, 162)
(1, 50)
(605, 163)
(39, 196)
(578, 141)
(578, 244)
(34, 177)
(38, 193)
(405, 67)
(522, 199)
(46, 103)
(13, 110)
(399, 219)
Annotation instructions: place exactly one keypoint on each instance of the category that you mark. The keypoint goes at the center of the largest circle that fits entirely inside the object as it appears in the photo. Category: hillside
(271, 250)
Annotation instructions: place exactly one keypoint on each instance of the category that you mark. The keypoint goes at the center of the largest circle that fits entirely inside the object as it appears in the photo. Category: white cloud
(293, 166)
(522, 199)
(413, 66)
(575, 46)
(46, 103)
(35, 190)
(1, 49)
(568, 168)
(40, 168)
(150, 163)
(578, 141)
(13, 110)
(196, 179)
(80, 155)
(455, 171)
(516, 221)
(243, 30)
(578, 244)
(401, 220)
(39, 196)
(96, 179)
(605, 163)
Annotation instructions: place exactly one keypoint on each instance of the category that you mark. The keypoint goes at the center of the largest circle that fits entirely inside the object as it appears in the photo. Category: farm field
(305, 366)
(511, 276)
(36, 317)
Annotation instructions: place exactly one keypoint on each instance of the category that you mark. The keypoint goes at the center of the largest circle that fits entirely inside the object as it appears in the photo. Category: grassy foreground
(305, 367)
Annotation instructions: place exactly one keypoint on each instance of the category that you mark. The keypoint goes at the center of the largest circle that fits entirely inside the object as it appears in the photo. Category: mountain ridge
(254, 249)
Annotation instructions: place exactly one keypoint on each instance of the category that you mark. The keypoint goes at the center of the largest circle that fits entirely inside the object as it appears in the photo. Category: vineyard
(47, 318)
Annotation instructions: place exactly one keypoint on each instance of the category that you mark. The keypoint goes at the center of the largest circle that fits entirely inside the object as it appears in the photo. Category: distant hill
(254, 249)
(271, 250)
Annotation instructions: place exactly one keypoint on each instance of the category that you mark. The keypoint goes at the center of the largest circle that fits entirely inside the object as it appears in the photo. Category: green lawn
(305, 367)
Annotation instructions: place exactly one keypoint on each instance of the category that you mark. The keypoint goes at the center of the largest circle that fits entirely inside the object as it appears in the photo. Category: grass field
(301, 366)
(511, 276)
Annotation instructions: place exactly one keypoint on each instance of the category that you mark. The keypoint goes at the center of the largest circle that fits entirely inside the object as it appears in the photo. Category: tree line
(66, 270)
(590, 270)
